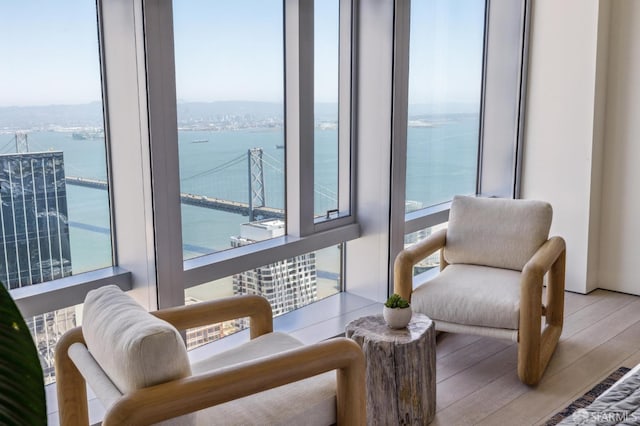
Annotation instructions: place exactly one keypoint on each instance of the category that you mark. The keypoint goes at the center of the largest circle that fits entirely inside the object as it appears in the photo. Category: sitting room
(321, 212)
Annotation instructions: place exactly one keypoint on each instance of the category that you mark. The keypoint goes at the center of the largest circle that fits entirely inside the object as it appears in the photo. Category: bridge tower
(256, 180)
(22, 142)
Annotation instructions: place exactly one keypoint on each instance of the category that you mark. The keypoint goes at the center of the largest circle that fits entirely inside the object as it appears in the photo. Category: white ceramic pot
(397, 317)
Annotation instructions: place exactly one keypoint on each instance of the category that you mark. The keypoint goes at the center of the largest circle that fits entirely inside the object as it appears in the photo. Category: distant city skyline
(53, 54)
(212, 116)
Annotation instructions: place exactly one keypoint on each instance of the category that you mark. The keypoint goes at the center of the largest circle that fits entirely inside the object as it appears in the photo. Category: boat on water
(200, 141)
(279, 146)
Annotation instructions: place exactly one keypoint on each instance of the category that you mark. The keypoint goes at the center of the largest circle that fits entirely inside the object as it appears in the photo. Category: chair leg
(535, 349)
(71, 388)
(529, 349)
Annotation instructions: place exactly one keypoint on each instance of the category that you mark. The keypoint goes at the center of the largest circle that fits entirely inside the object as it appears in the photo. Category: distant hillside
(214, 110)
(90, 115)
(39, 117)
(188, 110)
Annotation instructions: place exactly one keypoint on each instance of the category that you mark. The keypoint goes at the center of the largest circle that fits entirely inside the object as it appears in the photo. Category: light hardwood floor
(477, 382)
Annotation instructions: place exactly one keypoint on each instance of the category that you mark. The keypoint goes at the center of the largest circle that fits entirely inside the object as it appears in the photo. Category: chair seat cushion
(309, 402)
(265, 345)
(471, 295)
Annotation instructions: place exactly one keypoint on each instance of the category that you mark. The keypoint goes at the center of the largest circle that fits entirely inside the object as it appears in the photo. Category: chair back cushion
(134, 348)
(501, 233)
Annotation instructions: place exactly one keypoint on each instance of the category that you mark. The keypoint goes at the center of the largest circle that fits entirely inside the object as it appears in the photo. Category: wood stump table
(401, 369)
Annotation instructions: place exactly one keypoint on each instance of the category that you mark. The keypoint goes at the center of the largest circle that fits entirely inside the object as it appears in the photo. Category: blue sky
(48, 52)
(239, 43)
(226, 50)
(445, 53)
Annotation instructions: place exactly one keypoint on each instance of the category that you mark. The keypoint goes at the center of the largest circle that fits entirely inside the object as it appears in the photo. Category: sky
(49, 52)
(227, 50)
(240, 43)
(445, 51)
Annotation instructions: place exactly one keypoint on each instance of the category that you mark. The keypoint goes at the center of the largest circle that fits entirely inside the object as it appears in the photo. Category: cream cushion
(495, 232)
(134, 348)
(310, 402)
(471, 295)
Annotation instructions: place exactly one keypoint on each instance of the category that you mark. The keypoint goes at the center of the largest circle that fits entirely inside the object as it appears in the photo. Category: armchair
(137, 364)
(493, 259)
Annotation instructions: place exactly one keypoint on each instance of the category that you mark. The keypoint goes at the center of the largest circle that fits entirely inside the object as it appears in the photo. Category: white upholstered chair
(137, 365)
(493, 257)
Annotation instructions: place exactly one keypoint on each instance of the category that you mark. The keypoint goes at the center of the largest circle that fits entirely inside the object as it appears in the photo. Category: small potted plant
(397, 311)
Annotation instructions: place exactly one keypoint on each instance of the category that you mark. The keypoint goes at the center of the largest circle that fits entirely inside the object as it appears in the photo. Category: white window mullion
(367, 258)
(399, 133)
(299, 117)
(346, 162)
(163, 135)
(125, 98)
(503, 97)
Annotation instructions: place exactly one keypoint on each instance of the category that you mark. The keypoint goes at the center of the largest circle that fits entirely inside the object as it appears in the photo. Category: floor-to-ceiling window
(54, 215)
(238, 148)
(247, 115)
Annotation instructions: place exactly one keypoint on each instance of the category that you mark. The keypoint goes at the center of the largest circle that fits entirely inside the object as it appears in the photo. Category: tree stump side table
(400, 371)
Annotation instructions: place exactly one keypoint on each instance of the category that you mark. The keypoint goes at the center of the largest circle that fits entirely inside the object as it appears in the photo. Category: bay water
(441, 162)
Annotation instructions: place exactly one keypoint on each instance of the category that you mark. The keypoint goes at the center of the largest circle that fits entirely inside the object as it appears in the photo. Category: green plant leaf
(396, 301)
(22, 398)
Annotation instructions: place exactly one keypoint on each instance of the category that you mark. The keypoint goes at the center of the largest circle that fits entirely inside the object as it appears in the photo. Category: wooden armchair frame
(183, 396)
(534, 347)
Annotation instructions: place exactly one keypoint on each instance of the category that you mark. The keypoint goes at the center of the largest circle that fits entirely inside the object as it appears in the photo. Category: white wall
(620, 226)
(564, 126)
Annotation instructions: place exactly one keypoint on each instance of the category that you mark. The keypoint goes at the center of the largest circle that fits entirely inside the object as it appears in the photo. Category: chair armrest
(224, 309)
(407, 258)
(179, 397)
(544, 258)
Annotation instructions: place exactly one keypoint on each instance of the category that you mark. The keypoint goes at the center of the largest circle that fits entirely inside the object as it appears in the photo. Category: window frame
(149, 263)
(137, 65)
(300, 118)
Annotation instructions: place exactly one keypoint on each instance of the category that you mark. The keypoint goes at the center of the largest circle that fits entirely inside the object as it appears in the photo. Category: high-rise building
(287, 284)
(198, 336)
(46, 330)
(34, 238)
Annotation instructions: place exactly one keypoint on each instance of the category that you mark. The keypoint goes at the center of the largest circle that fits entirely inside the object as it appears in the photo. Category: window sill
(228, 262)
(427, 217)
(319, 321)
(69, 291)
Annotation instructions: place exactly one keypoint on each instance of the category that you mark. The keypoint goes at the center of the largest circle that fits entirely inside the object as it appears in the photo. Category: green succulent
(396, 301)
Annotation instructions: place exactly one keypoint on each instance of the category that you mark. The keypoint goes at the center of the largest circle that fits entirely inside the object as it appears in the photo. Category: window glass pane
(288, 284)
(230, 90)
(431, 261)
(46, 329)
(445, 79)
(326, 74)
(54, 219)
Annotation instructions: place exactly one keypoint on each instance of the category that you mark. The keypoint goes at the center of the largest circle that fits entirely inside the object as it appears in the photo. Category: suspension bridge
(221, 186)
(237, 185)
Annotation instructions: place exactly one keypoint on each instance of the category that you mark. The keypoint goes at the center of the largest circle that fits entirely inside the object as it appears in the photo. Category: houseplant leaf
(22, 398)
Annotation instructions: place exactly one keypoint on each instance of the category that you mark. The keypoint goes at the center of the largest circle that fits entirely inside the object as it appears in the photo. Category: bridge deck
(195, 200)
